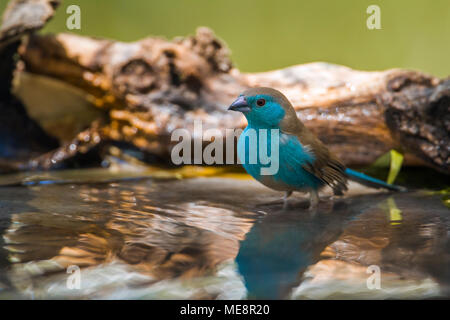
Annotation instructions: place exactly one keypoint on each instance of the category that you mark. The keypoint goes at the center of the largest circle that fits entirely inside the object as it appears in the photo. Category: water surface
(217, 238)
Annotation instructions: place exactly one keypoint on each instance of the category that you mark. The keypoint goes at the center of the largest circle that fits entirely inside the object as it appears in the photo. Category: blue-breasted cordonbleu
(301, 161)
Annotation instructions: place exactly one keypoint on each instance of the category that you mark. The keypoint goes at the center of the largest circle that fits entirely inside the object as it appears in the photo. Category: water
(218, 238)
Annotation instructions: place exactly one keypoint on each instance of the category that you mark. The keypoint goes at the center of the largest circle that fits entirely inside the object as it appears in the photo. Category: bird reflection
(279, 248)
(326, 255)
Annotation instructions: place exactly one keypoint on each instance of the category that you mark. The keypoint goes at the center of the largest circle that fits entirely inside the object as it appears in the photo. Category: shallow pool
(218, 238)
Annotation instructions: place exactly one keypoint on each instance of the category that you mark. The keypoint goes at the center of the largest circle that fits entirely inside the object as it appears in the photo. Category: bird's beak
(240, 105)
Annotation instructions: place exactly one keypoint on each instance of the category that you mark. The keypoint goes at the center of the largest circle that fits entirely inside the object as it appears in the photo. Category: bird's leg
(313, 199)
(287, 194)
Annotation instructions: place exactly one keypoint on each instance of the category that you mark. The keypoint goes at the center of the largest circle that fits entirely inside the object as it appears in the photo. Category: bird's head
(264, 107)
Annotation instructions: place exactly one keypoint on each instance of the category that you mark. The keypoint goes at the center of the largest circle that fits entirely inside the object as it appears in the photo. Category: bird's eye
(260, 102)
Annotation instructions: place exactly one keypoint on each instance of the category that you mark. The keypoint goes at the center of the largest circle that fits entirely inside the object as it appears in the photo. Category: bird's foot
(285, 200)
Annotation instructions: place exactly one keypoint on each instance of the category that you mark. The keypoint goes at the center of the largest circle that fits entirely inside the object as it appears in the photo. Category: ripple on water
(210, 238)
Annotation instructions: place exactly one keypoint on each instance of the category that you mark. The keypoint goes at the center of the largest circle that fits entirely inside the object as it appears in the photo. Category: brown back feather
(326, 166)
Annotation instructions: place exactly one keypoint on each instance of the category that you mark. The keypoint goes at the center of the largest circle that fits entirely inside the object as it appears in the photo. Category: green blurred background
(265, 35)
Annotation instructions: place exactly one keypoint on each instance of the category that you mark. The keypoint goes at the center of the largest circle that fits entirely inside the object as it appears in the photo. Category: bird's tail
(371, 182)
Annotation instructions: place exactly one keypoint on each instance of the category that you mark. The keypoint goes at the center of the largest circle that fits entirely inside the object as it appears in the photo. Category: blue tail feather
(371, 182)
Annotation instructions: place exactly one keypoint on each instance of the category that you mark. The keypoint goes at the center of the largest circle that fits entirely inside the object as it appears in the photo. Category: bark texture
(20, 136)
(150, 87)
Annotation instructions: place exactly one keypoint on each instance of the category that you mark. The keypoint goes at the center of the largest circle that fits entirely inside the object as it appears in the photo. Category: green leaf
(396, 165)
(382, 161)
(395, 214)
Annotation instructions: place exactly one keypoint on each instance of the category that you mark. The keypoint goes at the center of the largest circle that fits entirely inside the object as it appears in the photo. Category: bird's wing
(326, 166)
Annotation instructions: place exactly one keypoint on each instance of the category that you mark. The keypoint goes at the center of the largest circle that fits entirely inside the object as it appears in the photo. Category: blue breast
(291, 157)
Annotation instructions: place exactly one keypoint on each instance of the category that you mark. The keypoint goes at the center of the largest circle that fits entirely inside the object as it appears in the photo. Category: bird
(302, 162)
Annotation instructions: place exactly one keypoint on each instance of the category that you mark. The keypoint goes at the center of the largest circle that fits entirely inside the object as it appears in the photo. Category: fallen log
(150, 87)
(20, 136)
(146, 89)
